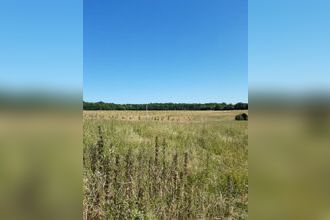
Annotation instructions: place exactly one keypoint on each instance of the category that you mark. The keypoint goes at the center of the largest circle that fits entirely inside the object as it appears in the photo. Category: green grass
(207, 180)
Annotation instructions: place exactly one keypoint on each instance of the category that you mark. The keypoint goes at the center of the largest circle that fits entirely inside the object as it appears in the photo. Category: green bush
(241, 117)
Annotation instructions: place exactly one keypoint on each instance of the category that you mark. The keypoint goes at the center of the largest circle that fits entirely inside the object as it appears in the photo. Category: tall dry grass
(197, 171)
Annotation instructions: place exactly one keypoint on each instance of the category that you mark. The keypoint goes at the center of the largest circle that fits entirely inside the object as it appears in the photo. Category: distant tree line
(164, 106)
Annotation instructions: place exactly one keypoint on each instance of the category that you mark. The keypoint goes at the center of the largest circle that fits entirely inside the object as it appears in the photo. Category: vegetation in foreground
(165, 165)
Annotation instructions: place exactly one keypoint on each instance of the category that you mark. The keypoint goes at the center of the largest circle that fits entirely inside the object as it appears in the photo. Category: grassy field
(165, 165)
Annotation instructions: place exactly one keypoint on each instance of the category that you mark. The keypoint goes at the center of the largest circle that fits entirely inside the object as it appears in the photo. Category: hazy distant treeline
(164, 106)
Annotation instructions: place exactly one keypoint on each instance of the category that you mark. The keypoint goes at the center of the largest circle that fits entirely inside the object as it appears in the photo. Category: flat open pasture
(164, 116)
(165, 165)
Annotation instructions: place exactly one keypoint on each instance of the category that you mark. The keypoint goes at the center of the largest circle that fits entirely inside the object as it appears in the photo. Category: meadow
(165, 165)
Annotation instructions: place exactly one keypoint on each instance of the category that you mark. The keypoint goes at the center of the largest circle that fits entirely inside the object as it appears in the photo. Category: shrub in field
(241, 117)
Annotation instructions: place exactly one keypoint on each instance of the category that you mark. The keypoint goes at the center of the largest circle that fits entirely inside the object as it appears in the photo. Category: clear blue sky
(289, 44)
(165, 51)
(41, 45)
